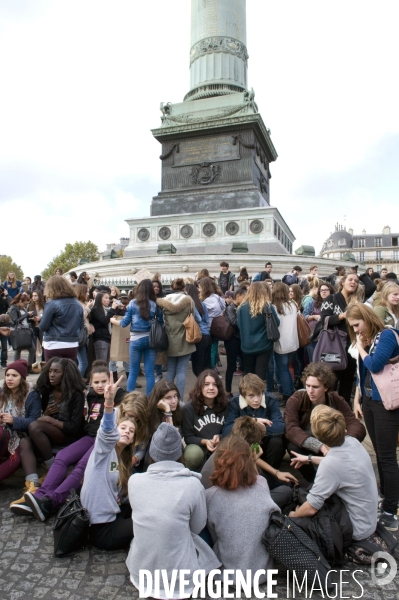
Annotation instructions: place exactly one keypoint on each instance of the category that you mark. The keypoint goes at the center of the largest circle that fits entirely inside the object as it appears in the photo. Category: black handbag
(71, 527)
(21, 337)
(158, 340)
(287, 543)
(272, 331)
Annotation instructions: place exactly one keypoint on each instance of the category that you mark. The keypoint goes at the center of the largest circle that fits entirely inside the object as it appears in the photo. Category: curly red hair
(234, 465)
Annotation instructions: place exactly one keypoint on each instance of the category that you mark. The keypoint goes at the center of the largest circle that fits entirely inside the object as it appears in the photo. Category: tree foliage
(7, 265)
(70, 256)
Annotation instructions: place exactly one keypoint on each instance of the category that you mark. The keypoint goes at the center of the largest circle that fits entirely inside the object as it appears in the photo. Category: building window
(378, 255)
(362, 243)
(378, 268)
(394, 241)
(275, 228)
(361, 256)
(342, 242)
(378, 242)
(395, 255)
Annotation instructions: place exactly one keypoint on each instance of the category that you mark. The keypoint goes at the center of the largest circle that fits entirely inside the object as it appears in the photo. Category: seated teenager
(279, 481)
(56, 487)
(134, 406)
(60, 389)
(319, 381)
(254, 401)
(18, 408)
(203, 419)
(164, 406)
(239, 507)
(169, 511)
(104, 490)
(345, 470)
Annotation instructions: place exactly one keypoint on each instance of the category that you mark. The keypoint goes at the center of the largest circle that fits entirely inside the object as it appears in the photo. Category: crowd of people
(209, 453)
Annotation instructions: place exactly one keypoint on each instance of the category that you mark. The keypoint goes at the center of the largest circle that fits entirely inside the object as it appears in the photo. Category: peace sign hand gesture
(110, 391)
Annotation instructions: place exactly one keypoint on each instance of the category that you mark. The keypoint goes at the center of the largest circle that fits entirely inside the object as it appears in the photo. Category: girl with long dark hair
(60, 390)
(19, 315)
(203, 419)
(334, 307)
(100, 317)
(287, 345)
(139, 315)
(57, 485)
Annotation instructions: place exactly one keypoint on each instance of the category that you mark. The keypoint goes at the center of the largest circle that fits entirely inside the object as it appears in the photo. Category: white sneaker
(158, 378)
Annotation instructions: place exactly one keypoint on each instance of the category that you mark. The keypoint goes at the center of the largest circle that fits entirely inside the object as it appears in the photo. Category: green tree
(7, 265)
(70, 256)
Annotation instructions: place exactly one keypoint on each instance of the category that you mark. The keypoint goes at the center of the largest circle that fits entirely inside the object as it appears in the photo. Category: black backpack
(361, 552)
(272, 331)
(288, 544)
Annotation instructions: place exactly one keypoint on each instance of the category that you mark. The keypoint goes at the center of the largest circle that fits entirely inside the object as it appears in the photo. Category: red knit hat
(21, 366)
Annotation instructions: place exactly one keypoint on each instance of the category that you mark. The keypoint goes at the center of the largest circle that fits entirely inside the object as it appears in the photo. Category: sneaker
(158, 378)
(20, 507)
(390, 522)
(222, 350)
(239, 372)
(41, 507)
(219, 364)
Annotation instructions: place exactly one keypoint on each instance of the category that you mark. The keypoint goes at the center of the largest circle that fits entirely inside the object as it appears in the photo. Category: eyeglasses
(324, 290)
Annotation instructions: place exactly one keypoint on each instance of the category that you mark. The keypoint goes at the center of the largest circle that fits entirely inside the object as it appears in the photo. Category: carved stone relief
(205, 173)
(186, 231)
(143, 234)
(209, 229)
(164, 233)
(232, 228)
(256, 226)
(219, 44)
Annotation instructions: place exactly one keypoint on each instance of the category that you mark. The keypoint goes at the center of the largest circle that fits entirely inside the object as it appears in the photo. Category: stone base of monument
(259, 230)
(121, 271)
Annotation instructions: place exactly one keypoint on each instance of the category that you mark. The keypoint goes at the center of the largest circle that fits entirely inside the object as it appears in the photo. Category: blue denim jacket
(134, 319)
(203, 321)
(62, 320)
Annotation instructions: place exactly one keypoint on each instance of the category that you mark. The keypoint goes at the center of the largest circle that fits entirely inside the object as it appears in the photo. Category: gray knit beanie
(166, 443)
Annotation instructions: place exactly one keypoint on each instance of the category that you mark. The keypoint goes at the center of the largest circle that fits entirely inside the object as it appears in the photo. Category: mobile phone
(255, 448)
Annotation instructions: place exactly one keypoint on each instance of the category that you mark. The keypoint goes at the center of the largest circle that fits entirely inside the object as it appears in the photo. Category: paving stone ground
(28, 569)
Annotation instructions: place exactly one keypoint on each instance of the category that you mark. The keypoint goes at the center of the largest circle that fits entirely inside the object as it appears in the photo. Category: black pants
(233, 350)
(115, 535)
(345, 379)
(383, 427)
(257, 363)
(201, 358)
(4, 345)
(273, 450)
(307, 471)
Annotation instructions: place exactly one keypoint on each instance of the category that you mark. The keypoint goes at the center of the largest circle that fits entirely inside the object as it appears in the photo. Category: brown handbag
(193, 333)
(221, 328)
(304, 331)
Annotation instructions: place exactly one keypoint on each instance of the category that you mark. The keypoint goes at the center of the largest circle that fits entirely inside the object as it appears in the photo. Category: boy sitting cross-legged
(253, 401)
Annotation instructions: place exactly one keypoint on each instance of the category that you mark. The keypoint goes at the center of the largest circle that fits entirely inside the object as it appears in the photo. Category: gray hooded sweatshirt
(168, 512)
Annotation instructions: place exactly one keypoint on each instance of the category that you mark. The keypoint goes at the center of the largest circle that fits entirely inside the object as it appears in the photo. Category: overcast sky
(81, 83)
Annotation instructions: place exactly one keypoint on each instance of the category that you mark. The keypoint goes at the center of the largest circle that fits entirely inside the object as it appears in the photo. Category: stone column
(218, 57)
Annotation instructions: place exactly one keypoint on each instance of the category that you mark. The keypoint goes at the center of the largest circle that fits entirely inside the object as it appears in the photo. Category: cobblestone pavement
(28, 569)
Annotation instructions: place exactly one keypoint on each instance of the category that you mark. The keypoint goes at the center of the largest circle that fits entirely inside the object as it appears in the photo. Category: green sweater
(253, 330)
(386, 316)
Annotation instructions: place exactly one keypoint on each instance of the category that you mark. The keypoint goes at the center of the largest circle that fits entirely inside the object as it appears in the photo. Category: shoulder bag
(22, 338)
(158, 340)
(71, 527)
(272, 330)
(193, 332)
(331, 348)
(221, 328)
(304, 331)
(387, 382)
(290, 545)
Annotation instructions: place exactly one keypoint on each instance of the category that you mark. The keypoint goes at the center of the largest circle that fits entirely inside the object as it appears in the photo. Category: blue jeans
(158, 370)
(282, 362)
(137, 348)
(82, 360)
(177, 367)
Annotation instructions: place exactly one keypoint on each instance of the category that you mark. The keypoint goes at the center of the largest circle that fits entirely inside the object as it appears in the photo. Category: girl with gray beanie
(176, 525)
